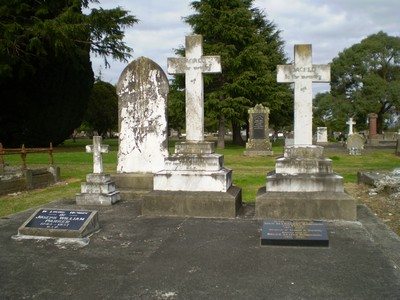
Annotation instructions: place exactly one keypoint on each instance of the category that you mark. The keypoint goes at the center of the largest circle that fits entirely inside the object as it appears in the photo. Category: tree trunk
(221, 133)
(236, 135)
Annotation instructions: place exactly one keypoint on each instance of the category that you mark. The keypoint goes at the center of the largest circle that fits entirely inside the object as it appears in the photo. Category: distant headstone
(98, 188)
(50, 222)
(294, 233)
(355, 144)
(350, 122)
(322, 135)
(143, 131)
(303, 74)
(258, 143)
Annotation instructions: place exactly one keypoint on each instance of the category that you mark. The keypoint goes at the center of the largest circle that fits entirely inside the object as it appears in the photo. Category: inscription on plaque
(60, 223)
(259, 125)
(294, 233)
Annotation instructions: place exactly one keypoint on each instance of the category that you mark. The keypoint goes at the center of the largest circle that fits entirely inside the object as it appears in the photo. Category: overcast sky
(329, 25)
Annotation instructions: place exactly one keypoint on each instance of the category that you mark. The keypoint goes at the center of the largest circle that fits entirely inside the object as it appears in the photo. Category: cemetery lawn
(248, 173)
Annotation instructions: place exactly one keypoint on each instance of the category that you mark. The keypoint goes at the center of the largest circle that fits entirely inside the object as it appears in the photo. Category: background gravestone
(322, 135)
(355, 143)
(258, 143)
(143, 133)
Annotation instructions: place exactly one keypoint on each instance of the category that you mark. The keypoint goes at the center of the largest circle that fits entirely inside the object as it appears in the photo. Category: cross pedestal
(194, 182)
(303, 185)
(98, 188)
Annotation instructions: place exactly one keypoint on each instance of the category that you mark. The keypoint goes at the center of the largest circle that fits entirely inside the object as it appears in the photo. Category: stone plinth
(98, 190)
(133, 186)
(304, 186)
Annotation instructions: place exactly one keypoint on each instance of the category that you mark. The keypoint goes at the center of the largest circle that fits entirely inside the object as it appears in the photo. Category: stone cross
(350, 122)
(97, 149)
(303, 73)
(194, 65)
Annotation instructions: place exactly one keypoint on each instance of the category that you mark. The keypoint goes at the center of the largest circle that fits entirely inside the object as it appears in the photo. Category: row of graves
(299, 195)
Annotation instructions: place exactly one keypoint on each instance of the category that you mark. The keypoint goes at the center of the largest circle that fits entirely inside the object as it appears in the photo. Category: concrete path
(136, 257)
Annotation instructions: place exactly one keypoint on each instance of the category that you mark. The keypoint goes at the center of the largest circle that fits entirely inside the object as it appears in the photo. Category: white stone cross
(350, 122)
(97, 149)
(194, 65)
(303, 73)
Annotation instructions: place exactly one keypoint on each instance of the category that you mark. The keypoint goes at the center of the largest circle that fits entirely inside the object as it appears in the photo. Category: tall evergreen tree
(45, 69)
(250, 48)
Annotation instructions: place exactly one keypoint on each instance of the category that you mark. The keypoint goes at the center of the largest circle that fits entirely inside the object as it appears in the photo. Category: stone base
(305, 206)
(133, 186)
(193, 181)
(98, 190)
(193, 204)
(249, 152)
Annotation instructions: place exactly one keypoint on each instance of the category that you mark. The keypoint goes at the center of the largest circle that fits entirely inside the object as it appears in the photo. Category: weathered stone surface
(303, 73)
(355, 144)
(98, 190)
(194, 204)
(143, 135)
(322, 135)
(305, 206)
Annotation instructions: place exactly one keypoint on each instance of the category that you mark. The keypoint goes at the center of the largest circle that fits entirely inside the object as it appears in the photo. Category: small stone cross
(97, 149)
(303, 73)
(194, 65)
(350, 122)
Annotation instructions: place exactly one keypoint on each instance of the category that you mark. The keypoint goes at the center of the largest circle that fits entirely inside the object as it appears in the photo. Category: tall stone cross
(303, 73)
(194, 65)
(350, 122)
(97, 149)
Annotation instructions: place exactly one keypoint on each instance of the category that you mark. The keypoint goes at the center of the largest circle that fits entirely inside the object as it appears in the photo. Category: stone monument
(373, 136)
(98, 188)
(322, 135)
(258, 143)
(355, 142)
(143, 132)
(303, 185)
(194, 181)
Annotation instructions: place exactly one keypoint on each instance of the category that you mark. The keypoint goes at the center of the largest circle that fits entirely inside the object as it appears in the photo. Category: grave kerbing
(194, 181)
(303, 185)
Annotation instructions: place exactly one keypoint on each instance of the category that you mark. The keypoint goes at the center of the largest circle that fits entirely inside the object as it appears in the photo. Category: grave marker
(303, 73)
(50, 222)
(350, 122)
(194, 65)
(97, 149)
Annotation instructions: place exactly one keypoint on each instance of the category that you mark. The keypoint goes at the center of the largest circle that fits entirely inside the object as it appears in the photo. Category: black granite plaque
(60, 223)
(294, 233)
(259, 126)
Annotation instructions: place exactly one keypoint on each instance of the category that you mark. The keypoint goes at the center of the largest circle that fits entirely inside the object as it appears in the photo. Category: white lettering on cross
(194, 65)
(303, 73)
(97, 149)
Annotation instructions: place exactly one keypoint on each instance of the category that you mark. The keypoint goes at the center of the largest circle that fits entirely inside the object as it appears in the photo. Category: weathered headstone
(194, 182)
(373, 136)
(258, 143)
(50, 222)
(303, 73)
(322, 135)
(355, 143)
(98, 188)
(143, 127)
(303, 185)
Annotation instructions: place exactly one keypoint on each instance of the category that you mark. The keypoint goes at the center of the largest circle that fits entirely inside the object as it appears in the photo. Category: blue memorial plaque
(294, 233)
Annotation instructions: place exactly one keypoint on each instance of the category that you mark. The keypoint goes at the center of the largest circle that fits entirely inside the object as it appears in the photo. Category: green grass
(249, 173)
